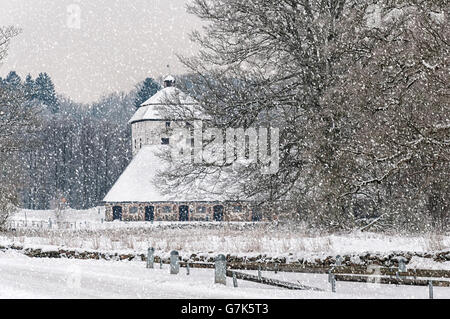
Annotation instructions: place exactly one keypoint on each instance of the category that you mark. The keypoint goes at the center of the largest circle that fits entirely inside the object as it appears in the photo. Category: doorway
(149, 213)
(117, 213)
(218, 213)
(256, 215)
(184, 213)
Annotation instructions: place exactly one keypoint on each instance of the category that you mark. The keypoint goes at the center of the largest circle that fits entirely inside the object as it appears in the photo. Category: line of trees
(77, 151)
(73, 152)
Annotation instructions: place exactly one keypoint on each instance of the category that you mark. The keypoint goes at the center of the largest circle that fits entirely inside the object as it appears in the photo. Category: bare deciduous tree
(359, 90)
(16, 122)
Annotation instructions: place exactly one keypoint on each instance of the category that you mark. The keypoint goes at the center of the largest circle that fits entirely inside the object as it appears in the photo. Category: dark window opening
(165, 141)
(218, 213)
(149, 213)
(117, 213)
(184, 213)
(256, 215)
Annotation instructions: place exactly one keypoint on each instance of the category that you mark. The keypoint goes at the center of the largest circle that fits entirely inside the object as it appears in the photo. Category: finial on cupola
(169, 81)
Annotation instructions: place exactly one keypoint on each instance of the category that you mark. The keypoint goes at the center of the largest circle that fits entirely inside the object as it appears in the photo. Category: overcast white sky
(118, 42)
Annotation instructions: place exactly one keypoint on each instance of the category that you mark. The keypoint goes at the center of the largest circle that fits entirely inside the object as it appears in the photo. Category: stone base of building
(227, 212)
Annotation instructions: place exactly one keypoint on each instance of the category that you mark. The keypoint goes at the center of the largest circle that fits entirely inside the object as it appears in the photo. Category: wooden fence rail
(361, 274)
(345, 270)
(270, 281)
(392, 280)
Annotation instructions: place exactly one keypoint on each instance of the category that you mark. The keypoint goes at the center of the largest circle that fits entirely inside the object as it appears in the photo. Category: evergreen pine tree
(45, 92)
(13, 80)
(30, 89)
(147, 89)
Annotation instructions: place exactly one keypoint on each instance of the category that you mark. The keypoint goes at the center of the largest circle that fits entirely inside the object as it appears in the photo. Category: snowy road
(24, 277)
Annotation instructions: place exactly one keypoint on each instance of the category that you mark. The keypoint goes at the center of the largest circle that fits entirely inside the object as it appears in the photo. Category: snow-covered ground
(36, 218)
(24, 277)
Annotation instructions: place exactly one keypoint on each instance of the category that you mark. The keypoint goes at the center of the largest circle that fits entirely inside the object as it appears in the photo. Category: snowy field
(239, 239)
(24, 277)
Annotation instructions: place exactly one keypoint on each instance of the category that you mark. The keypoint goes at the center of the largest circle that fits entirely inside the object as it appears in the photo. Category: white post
(401, 265)
(430, 289)
(221, 270)
(174, 262)
(332, 280)
(150, 257)
(333, 283)
(339, 260)
(235, 283)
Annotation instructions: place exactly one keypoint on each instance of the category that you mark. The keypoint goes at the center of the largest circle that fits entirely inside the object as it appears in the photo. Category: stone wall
(170, 211)
(242, 262)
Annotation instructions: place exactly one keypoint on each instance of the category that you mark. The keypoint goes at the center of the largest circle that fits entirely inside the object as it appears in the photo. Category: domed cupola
(169, 81)
(150, 124)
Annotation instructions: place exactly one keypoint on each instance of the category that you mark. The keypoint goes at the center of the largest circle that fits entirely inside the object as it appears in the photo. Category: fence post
(276, 268)
(339, 260)
(160, 263)
(430, 289)
(150, 257)
(220, 270)
(174, 262)
(333, 283)
(332, 280)
(401, 265)
(235, 284)
(188, 269)
(50, 223)
(259, 272)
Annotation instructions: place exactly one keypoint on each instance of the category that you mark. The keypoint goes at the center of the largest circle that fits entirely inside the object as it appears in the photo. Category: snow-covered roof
(138, 183)
(169, 78)
(152, 108)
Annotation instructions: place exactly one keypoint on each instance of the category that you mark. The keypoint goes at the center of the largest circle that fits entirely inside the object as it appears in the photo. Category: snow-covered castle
(135, 195)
